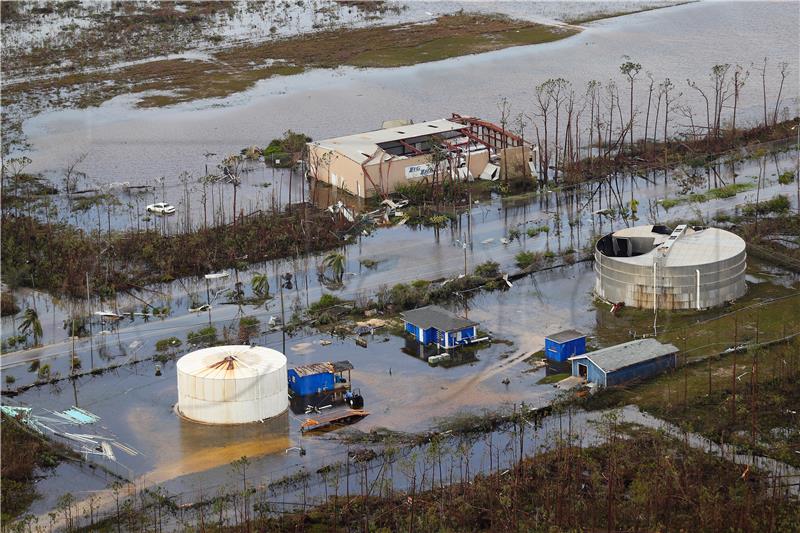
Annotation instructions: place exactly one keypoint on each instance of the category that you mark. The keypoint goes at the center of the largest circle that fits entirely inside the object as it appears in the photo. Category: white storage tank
(232, 384)
(656, 267)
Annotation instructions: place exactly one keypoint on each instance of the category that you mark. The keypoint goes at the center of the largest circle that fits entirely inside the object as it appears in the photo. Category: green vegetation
(536, 230)
(728, 191)
(786, 177)
(206, 336)
(489, 269)
(777, 205)
(529, 260)
(164, 345)
(325, 303)
(248, 328)
(747, 399)
(553, 378)
(368, 263)
(284, 152)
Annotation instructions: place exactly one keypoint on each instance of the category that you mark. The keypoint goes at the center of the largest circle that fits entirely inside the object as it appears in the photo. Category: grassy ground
(553, 378)
(613, 14)
(748, 399)
(767, 312)
(238, 68)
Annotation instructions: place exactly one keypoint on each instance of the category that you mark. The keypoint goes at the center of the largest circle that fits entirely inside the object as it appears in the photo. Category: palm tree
(335, 261)
(260, 284)
(31, 323)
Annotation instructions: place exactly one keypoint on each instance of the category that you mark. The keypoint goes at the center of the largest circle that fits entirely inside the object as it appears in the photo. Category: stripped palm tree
(260, 284)
(31, 323)
(335, 261)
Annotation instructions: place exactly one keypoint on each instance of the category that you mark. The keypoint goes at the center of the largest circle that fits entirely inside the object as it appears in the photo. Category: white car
(161, 208)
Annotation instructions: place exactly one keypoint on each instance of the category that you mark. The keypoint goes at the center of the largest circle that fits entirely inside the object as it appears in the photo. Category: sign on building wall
(415, 172)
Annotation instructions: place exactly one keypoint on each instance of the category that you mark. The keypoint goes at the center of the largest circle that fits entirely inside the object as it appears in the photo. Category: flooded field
(403, 253)
(124, 144)
(141, 156)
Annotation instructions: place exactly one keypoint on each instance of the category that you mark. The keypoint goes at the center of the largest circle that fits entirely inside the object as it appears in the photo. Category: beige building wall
(517, 157)
(331, 167)
(342, 172)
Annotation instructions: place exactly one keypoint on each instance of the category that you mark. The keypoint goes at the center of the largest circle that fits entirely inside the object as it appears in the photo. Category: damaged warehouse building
(460, 148)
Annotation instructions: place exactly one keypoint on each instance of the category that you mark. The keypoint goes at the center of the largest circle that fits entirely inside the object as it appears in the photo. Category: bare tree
(72, 175)
(505, 111)
(763, 71)
(783, 68)
(544, 100)
(649, 100)
(739, 78)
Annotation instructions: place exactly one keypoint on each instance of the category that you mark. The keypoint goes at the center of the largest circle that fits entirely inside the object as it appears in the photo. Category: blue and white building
(620, 364)
(564, 344)
(433, 325)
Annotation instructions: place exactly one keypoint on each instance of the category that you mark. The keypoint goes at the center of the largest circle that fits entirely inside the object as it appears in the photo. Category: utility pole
(286, 283)
(91, 333)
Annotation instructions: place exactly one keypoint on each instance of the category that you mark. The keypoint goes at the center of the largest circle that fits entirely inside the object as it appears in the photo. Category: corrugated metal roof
(565, 336)
(433, 316)
(361, 146)
(312, 369)
(627, 354)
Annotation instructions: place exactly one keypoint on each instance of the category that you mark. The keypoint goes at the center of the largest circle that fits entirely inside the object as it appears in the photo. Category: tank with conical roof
(232, 384)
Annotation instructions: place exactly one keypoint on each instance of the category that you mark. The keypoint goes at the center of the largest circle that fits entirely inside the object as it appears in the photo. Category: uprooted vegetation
(24, 454)
(645, 480)
(56, 256)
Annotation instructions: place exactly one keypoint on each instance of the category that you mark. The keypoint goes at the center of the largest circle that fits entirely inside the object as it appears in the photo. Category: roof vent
(432, 126)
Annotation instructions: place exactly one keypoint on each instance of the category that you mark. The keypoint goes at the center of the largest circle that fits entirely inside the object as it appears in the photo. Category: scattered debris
(334, 419)
(436, 359)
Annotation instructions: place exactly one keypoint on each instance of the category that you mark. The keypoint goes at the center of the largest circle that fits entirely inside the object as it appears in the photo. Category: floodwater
(125, 144)
(404, 253)
(402, 392)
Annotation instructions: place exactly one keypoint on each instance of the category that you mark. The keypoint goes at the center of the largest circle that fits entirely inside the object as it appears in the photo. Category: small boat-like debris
(217, 275)
(200, 308)
(333, 420)
(108, 316)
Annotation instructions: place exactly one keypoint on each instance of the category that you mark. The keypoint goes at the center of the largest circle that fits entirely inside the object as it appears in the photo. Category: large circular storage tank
(232, 384)
(657, 267)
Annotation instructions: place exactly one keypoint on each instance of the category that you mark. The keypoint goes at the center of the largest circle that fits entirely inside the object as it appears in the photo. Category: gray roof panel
(565, 336)
(433, 316)
(627, 354)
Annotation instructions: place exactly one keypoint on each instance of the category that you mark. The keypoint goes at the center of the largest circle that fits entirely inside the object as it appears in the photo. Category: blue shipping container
(310, 384)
